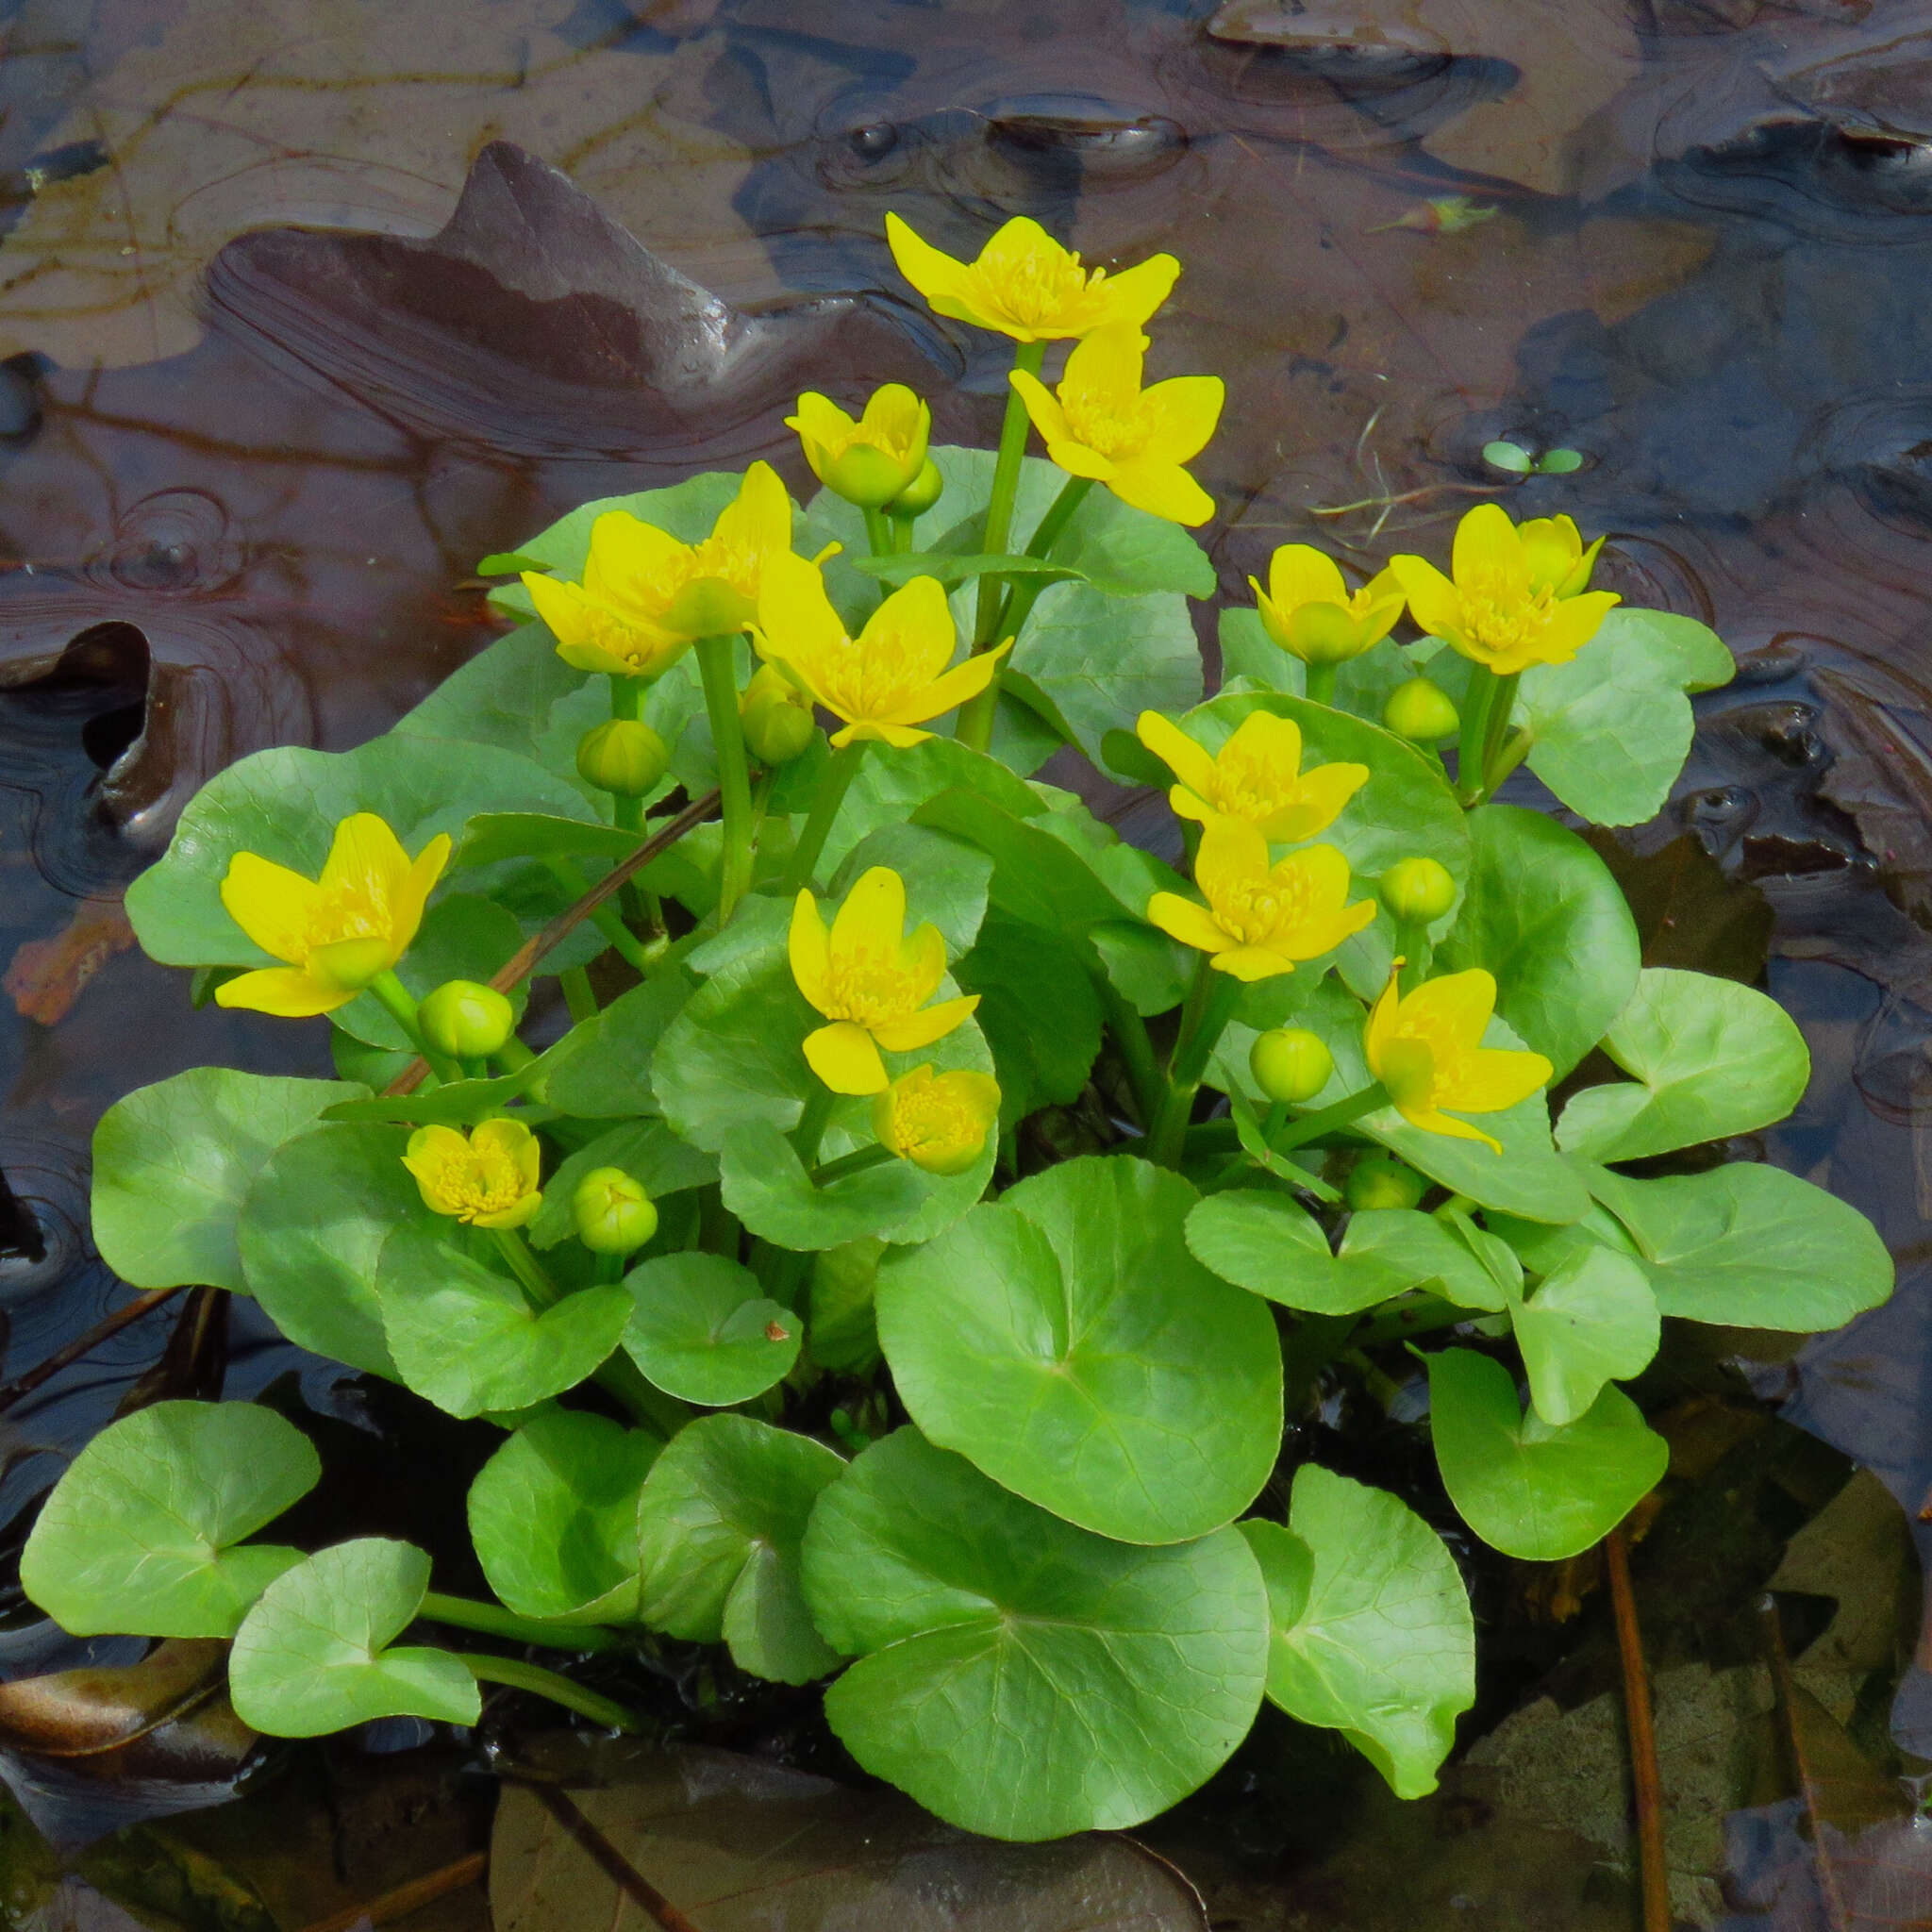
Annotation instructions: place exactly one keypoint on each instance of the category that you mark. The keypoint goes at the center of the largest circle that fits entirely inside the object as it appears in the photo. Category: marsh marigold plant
(862, 1197)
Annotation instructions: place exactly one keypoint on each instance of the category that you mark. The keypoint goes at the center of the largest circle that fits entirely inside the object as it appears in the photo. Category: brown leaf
(634, 1838)
(46, 976)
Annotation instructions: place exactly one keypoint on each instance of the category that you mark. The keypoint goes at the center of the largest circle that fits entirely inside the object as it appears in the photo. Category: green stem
(1497, 729)
(522, 1676)
(1210, 1004)
(1475, 725)
(617, 935)
(879, 536)
(1311, 1126)
(856, 1162)
(532, 1276)
(812, 1123)
(1137, 1051)
(1515, 748)
(834, 782)
(720, 674)
(1413, 948)
(626, 697)
(395, 1000)
(490, 1619)
(901, 535)
(608, 1271)
(513, 1055)
(976, 715)
(578, 995)
(1320, 683)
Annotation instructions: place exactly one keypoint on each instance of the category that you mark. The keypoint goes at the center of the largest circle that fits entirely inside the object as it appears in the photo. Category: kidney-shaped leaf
(703, 1330)
(1530, 1487)
(138, 1534)
(1066, 1341)
(1749, 1245)
(1370, 1632)
(722, 1514)
(1018, 1676)
(1591, 1320)
(554, 1516)
(1708, 1057)
(173, 1161)
(313, 1655)
(1542, 914)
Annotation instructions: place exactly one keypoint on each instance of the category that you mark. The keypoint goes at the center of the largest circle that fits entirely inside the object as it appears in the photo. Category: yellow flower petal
(1232, 851)
(1182, 920)
(921, 1028)
(1458, 1005)
(1496, 1077)
(914, 627)
(844, 1056)
(365, 858)
(1487, 543)
(1436, 1122)
(1181, 415)
(873, 917)
(1300, 573)
(1042, 407)
(898, 736)
(929, 270)
(284, 991)
(1250, 963)
(1432, 599)
(1189, 761)
(922, 961)
(1162, 490)
(759, 519)
(1135, 293)
(806, 947)
(415, 891)
(626, 555)
(274, 905)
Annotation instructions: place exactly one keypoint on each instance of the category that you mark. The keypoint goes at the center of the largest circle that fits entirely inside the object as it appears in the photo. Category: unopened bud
(1291, 1064)
(1421, 712)
(1417, 890)
(1378, 1182)
(465, 1019)
(777, 716)
(624, 756)
(612, 1214)
(920, 494)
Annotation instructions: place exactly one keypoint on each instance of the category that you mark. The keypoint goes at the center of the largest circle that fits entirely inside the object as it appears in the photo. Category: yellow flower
(1026, 286)
(938, 1122)
(646, 597)
(1309, 611)
(1255, 777)
(870, 979)
(890, 677)
(1260, 918)
(1426, 1049)
(487, 1177)
(1554, 547)
(1502, 610)
(337, 932)
(1102, 424)
(870, 461)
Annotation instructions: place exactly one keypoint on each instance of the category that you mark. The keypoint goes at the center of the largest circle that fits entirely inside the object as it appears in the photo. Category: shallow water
(257, 427)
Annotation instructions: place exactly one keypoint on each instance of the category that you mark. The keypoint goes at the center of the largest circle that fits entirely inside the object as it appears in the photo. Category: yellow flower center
(869, 986)
(608, 630)
(934, 1118)
(720, 557)
(1502, 613)
(1105, 418)
(1251, 786)
(1041, 288)
(1254, 910)
(359, 910)
(483, 1180)
(868, 678)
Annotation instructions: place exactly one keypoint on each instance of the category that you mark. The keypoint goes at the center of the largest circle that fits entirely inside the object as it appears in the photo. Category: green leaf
(946, 878)
(464, 936)
(461, 1103)
(313, 1656)
(1067, 1342)
(842, 1334)
(1039, 1012)
(1265, 1244)
(1750, 1246)
(601, 1069)
(138, 1535)
(505, 695)
(646, 1150)
(1592, 1319)
(892, 785)
(496, 835)
(1528, 1488)
(1542, 914)
(1017, 1675)
(284, 806)
(1507, 455)
(686, 510)
(311, 1232)
(1710, 1057)
(701, 1329)
(952, 567)
(1370, 1632)
(1610, 729)
(467, 1339)
(1252, 661)
(723, 1515)
(1147, 969)
(554, 1517)
(766, 1186)
(172, 1162)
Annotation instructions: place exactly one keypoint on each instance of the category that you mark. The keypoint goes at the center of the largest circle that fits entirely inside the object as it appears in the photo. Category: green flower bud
(612, 1214)
(777, 716)
(1378, 1181)
(920, 494)
(1417, 890)
(1421, 712)
(624, 756)
(465, 1020)
(1291, 1064)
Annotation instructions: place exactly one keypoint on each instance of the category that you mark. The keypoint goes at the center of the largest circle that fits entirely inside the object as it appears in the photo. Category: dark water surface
(268, 393)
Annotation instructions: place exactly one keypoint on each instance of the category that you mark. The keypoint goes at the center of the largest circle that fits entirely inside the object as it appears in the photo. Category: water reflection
(263, 403)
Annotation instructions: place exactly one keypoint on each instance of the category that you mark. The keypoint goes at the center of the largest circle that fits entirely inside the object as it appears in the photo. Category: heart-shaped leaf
(723, 1513)
(1709, 1057)
(1038, 1011)
(1018, 1676)
(311, 1233)
(1751, 1246)
(1370, 1632)
(646, 1150)
(766, 1186)
(313, 1655)
(138, 1534)
(1530, 1487)
(1066, 1341)
(467, 1339)
(702, 1329)
(1542, 914)
(554, 1517)
(891, 787)
(172, 1163)
(601, 1069)
(1590, 1321)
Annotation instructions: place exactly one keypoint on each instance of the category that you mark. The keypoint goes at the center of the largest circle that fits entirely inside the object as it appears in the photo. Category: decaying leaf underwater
(792, 1146)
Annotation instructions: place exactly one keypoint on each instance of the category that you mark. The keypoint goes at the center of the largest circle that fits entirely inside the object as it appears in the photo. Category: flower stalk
(491, 1619)
(1210, 1004)
(720, 675)
(558, 1689)
(834, 782)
